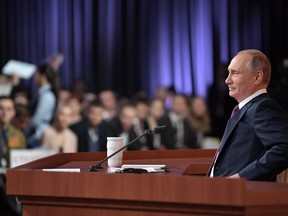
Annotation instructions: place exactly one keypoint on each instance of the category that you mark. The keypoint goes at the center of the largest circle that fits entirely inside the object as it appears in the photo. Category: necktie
(234, 111)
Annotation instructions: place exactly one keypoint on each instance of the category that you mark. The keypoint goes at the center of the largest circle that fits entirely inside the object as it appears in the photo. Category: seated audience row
(75, 129)
(71, 121)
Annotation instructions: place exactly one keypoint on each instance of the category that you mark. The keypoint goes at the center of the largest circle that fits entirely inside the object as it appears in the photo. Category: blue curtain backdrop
(134, 45)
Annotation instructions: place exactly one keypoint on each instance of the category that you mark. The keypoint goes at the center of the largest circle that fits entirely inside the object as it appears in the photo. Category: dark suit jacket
(255, 142)
(168, 138)
(81, 131)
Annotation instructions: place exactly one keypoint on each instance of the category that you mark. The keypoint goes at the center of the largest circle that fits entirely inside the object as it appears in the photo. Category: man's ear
(259, 76)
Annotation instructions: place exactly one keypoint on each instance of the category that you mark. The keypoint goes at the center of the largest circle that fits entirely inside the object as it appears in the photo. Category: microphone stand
(94, 167)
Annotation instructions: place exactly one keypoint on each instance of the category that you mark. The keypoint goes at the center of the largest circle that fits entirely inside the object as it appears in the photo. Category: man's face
(95, 115)
(240, 80)
(127, 117)
(179, 105)
(142, 110)
(7, 111)
(157, 109)
(108, 100)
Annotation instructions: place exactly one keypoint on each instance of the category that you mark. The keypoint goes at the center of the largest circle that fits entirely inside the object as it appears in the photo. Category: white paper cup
(113, 145)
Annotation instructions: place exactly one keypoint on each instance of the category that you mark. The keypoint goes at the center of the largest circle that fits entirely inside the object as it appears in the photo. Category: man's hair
(124, 105)
(7, 98)
(94, 103)
(259, 61)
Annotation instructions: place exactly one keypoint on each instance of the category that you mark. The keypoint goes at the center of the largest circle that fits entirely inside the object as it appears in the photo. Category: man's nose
(228, 80)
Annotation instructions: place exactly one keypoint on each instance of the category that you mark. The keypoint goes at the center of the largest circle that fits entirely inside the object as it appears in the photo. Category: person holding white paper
(46, 103)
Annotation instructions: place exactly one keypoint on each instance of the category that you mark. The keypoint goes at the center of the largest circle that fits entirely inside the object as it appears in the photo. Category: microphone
(156, 130)
(159, 129)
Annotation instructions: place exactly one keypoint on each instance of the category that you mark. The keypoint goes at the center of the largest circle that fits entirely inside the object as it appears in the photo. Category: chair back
(283, 177)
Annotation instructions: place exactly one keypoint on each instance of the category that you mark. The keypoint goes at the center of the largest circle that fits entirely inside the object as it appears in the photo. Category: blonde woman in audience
(59, 137)
(199, 118)
(76, 111)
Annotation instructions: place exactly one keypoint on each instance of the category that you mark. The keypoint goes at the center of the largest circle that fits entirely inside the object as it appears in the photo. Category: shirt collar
(44, 88)
(246, 100)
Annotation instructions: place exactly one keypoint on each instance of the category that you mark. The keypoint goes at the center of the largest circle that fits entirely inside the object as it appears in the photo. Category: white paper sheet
(21, 69)
(142, 166)
(62, 170)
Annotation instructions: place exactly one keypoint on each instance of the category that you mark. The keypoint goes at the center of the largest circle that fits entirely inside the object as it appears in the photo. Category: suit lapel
(232, 122)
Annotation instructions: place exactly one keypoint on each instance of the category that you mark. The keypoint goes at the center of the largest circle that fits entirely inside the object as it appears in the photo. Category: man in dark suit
(91, 132)
(178, 133)
(255, 142)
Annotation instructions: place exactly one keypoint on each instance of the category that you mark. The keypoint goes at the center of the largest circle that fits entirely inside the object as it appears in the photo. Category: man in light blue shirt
(46, 103)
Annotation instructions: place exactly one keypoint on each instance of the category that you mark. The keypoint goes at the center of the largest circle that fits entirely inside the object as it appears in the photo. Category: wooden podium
(181, 191)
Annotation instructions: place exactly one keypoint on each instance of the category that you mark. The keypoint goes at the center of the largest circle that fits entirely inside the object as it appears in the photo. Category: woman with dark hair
(45, 105)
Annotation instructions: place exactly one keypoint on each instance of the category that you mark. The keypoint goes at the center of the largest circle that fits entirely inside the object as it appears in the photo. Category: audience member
(21, 97)
(64, 97)
(110, 104)
(88, 97)
(20, 93)
(178, 133)
(91, 131)
(140, 122)
(199, 118)
(156, 111)
(45, 104)
(59, 137)
(161, 93)
(75, 105)
(79, 89)
(22, 118)
(12, 137)
(167, 95)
